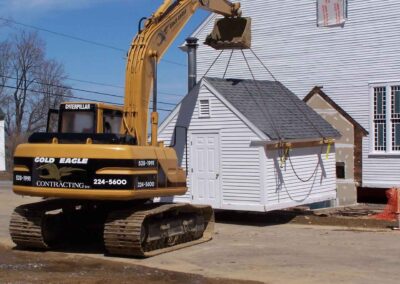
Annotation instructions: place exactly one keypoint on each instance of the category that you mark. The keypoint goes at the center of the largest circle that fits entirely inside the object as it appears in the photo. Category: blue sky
(112, 22)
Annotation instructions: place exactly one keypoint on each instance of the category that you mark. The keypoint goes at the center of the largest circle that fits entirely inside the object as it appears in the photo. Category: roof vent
(204, 108)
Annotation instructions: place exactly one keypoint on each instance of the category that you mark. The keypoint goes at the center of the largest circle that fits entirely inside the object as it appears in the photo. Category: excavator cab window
(52, 121)
(78, 118)
(111, 121)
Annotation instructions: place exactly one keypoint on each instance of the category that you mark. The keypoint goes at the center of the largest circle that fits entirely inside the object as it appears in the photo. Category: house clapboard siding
(345, 61)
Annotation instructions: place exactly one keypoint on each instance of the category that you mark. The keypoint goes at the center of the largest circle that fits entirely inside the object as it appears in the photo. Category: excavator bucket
(230, 33)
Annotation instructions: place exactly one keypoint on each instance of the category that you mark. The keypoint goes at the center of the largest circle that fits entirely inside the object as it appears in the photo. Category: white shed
(232, 128)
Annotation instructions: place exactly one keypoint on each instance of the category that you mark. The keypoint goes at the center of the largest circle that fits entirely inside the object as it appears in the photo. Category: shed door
(205, 169)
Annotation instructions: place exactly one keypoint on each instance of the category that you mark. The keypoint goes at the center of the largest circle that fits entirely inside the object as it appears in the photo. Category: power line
(116, 86)
(174, 62)
(72, 96)
(94, 83)
(82, 90)
(59, 95)
(7, 20)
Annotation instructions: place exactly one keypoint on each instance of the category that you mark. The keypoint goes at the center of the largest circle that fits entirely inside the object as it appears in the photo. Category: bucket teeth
(230, 33)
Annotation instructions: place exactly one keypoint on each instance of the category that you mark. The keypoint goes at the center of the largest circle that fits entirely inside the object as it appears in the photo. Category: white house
(358, 66)
(228, 129)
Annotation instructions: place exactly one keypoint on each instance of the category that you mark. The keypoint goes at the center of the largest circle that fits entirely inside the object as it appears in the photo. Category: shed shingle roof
(274, 109)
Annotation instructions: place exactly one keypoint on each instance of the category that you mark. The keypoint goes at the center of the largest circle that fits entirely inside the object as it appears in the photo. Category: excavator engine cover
(230, 33)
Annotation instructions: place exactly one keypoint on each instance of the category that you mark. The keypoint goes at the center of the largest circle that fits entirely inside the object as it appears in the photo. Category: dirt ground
(357, 216)
(36, 267)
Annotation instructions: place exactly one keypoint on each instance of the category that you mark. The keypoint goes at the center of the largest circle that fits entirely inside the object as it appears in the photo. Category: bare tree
(5, 61)
(31, 84)
(52, 92)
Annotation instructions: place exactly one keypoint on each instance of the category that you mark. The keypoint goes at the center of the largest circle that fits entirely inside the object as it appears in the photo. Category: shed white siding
(240, 171)
(312, 165)
(250, 178)
(342, 60)
(166, 134)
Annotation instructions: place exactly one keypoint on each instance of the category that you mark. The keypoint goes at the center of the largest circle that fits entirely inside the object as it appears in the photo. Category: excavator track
(30, 226)
(139, 230)
(157, 228)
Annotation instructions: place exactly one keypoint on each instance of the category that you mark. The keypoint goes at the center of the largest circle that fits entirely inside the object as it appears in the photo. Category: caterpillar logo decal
(162, 36)
(53, 172)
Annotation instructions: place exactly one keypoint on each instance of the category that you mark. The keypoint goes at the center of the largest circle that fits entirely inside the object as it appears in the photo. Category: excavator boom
(148, 47)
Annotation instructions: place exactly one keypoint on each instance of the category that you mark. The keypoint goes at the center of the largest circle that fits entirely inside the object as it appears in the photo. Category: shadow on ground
(259, 219)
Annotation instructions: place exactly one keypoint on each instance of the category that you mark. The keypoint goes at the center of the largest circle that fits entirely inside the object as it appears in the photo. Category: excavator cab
(85, 118)
(80, 122)
(230, 33)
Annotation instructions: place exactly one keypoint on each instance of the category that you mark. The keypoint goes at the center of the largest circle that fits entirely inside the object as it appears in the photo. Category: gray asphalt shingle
(274, 109)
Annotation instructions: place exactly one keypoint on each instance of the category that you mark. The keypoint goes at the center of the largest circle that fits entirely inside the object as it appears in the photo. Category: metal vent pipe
(191, 44)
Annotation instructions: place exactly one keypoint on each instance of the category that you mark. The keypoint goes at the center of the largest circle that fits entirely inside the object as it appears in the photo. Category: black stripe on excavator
(103, 182)
(81, 138)
(79, 173)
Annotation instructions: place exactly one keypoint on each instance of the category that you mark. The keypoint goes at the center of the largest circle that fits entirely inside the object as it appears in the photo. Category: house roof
(274, 109)
(318, 90)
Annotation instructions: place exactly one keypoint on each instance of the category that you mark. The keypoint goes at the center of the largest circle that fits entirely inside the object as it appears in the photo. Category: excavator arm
(147, 49)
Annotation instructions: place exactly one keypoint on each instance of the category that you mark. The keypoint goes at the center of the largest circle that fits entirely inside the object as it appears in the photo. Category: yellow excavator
(97, 170)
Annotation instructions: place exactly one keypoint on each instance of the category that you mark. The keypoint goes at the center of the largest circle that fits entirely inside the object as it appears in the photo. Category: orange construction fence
(392, 209)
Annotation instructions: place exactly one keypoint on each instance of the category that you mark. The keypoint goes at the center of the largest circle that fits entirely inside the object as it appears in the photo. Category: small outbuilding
(251, 145)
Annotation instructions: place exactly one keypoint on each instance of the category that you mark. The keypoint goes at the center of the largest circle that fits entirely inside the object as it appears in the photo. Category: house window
(395, 118)
(204, 108)
(331, 13)
(380, 118)
(386, 118)
(340, 170)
